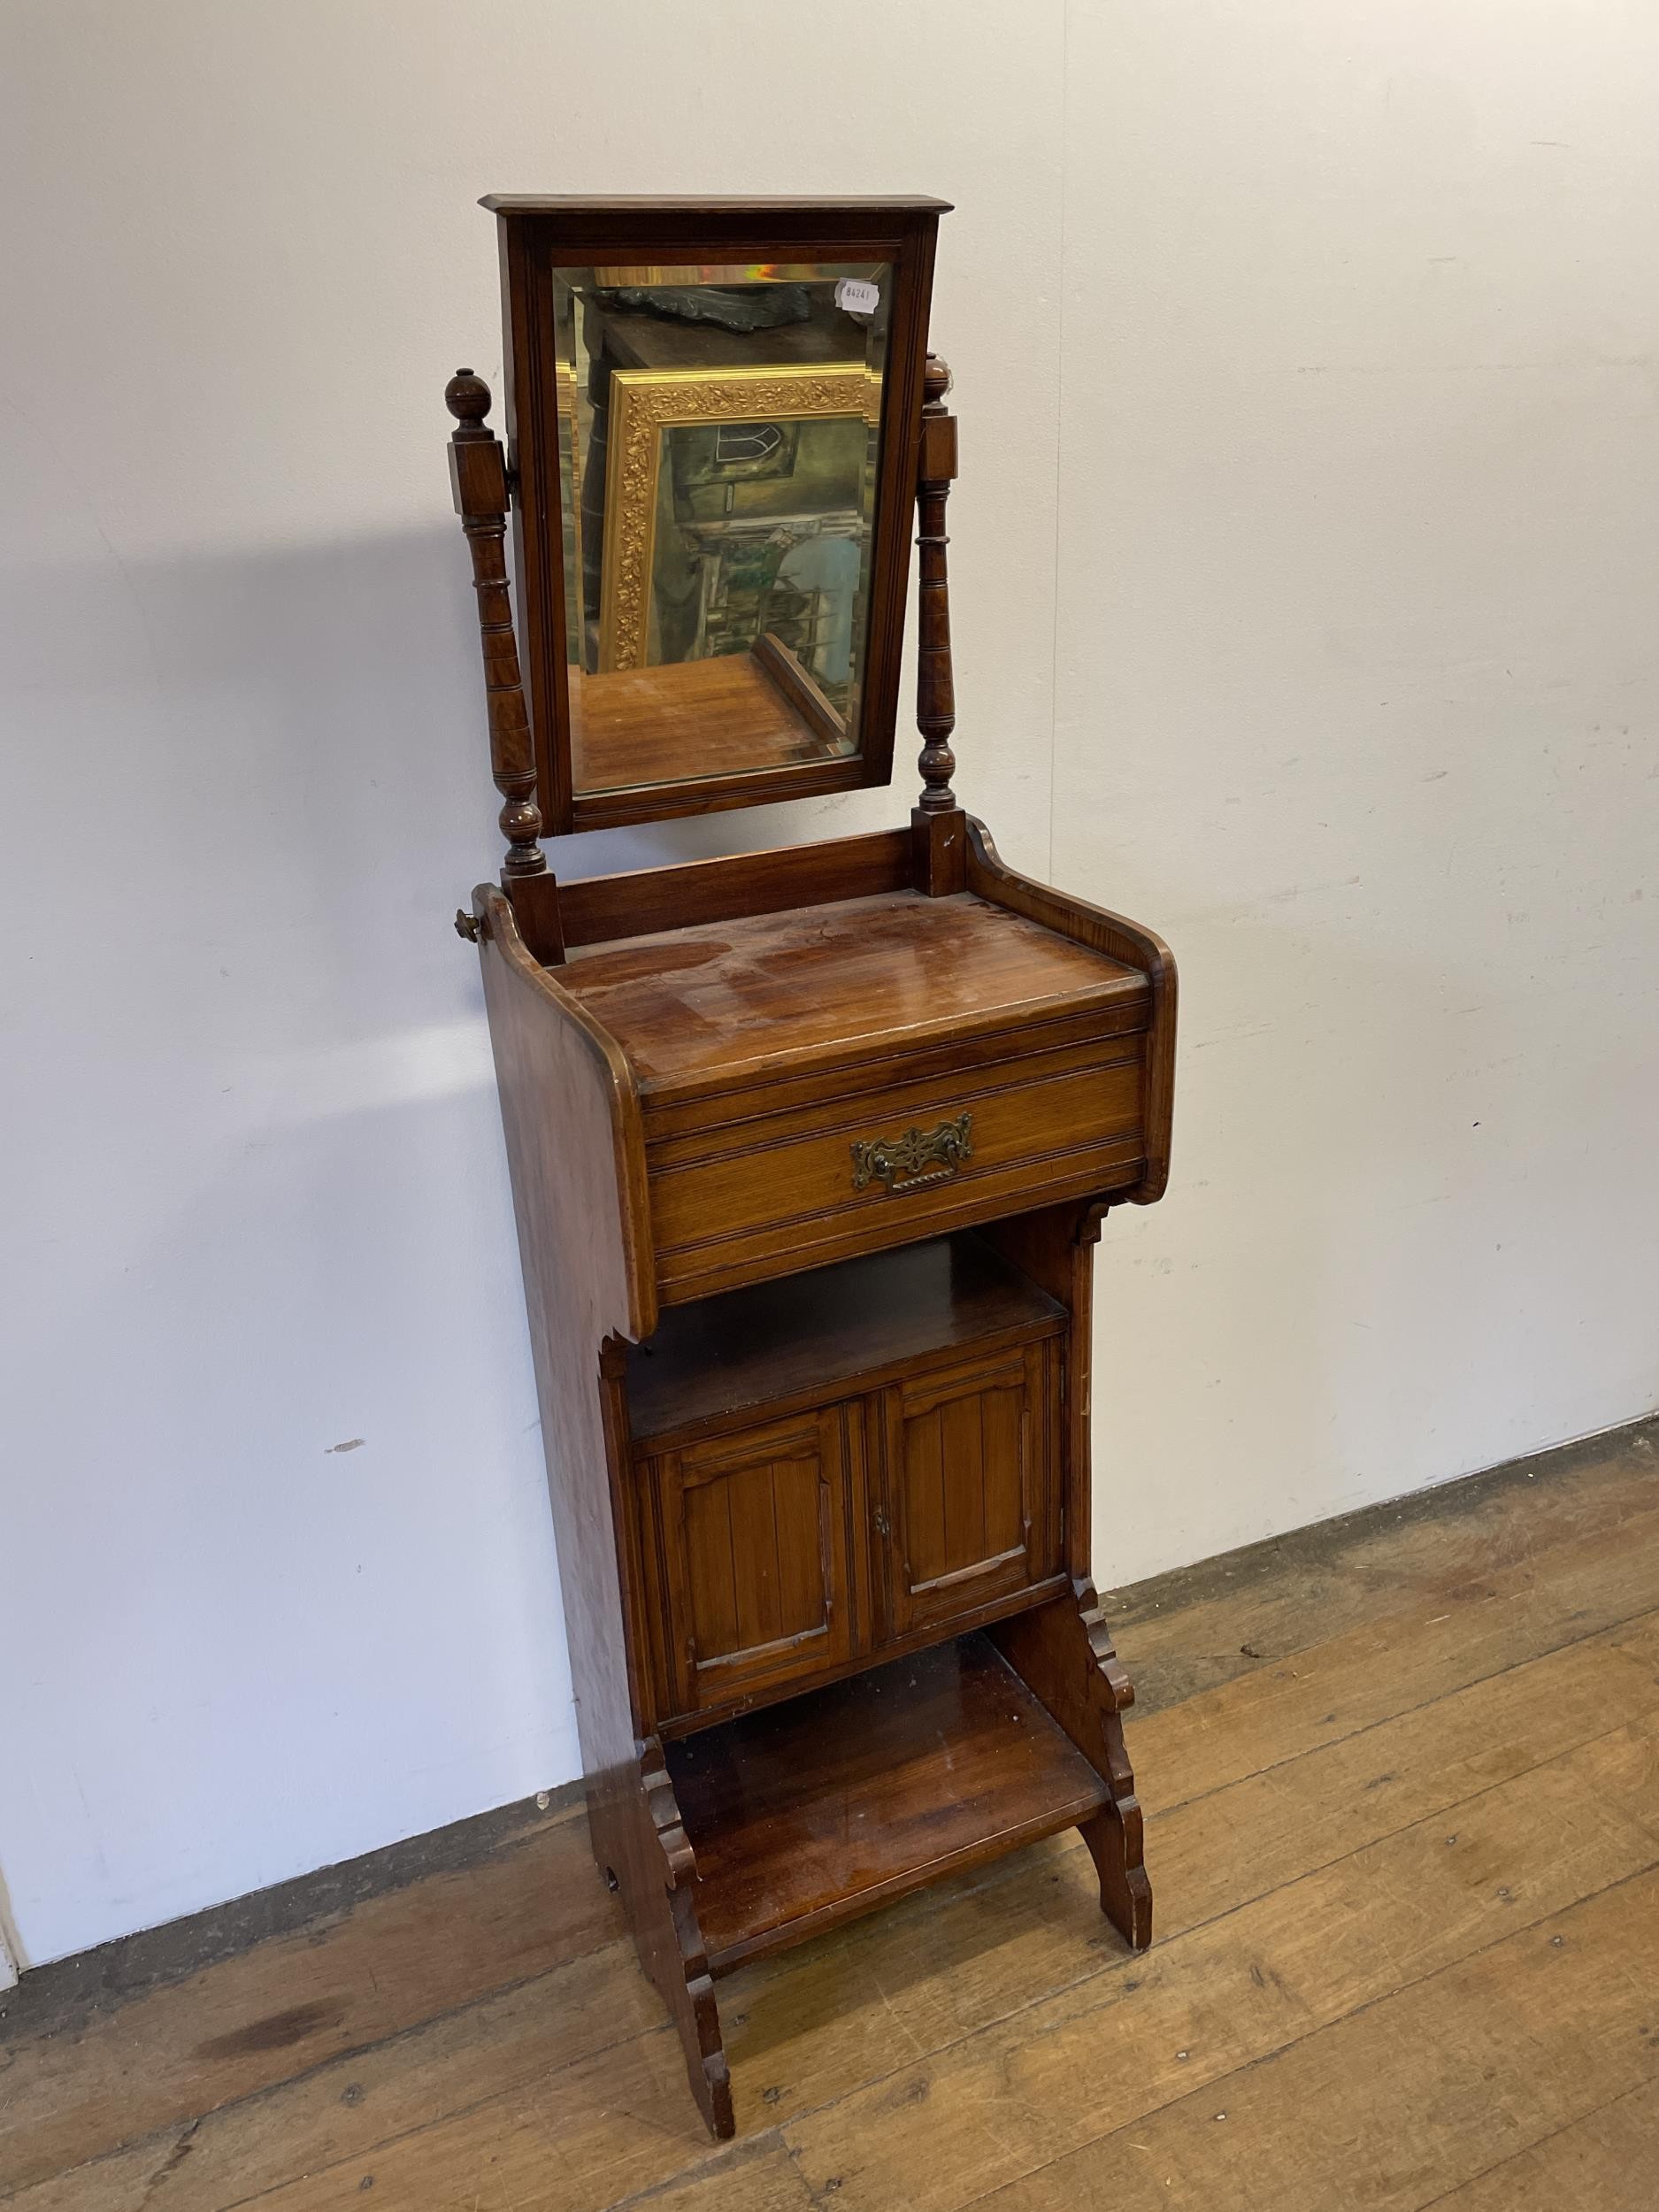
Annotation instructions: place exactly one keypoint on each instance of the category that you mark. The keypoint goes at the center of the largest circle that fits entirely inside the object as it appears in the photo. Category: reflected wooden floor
(1402, 1781)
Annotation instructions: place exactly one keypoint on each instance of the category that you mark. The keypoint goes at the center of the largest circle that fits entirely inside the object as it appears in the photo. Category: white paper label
(857, 296)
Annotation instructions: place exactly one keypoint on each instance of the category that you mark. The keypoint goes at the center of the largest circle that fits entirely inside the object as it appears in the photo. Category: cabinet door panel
(972, 1486)
(756, 1537)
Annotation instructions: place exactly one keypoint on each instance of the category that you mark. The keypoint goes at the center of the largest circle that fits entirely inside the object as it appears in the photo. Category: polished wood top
(818, 1331)
(785, 990)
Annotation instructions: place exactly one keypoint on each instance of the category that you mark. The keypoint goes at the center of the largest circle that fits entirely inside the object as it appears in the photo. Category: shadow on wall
(251, 1120)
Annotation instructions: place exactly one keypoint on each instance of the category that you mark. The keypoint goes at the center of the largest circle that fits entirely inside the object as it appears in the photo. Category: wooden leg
(1063, 1652)
(646, 1854)
(1113, 1838)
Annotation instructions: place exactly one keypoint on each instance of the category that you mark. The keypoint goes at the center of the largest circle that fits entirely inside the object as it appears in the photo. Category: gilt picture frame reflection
(735, 520)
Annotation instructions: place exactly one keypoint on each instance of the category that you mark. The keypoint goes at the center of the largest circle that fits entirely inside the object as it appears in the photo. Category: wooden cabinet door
(972, 1486)
(757, 1537)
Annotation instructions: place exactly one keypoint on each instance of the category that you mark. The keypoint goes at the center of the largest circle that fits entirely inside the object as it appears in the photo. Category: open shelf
(809, 1335)
(812, 1811)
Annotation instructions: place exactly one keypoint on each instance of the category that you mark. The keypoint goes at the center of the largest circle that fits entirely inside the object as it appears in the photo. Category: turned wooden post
(937, 821)
(478, 471)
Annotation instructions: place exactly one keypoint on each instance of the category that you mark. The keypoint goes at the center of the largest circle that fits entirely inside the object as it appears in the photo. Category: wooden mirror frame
(538, 237)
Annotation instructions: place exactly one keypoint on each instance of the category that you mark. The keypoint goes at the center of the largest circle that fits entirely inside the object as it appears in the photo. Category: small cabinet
(858, 1461)
(755, 1543)
(971, 1510)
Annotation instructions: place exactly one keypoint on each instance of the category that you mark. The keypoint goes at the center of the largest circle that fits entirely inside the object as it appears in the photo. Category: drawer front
(779, 1192)
(971, 1487)
(753, 1558)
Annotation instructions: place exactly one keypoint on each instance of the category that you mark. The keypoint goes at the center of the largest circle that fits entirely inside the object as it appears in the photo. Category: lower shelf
(811, 1812)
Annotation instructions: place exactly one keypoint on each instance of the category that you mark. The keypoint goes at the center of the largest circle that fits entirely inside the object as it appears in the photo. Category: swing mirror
(713, 412)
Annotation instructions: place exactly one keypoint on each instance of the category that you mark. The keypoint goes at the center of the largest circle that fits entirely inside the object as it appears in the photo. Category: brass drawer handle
(918, 1157)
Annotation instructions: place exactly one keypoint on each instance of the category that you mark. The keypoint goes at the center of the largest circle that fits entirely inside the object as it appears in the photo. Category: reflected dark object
(745, 308)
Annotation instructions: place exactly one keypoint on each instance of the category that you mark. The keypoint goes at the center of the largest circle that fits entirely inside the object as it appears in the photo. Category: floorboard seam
(724, 2154)
(1118, 1965)
(133, 2144)
(1128, 1959)
(999, 1871)
(1404, 1712)
(1264, 2058)
(179, 2129)
(384, 2143)
(1470, 2181)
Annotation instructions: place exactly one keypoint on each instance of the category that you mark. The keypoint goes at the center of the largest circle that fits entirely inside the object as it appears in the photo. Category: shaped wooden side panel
(1120, 939)
(1064, 1650)
(571, 1117)
(1064, 1653)
(675, 1955)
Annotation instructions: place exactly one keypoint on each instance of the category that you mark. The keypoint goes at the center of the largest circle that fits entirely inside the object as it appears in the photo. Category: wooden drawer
(757, 1193)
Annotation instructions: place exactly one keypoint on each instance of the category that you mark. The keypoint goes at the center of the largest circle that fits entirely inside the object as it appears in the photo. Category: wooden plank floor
(1403, 1782)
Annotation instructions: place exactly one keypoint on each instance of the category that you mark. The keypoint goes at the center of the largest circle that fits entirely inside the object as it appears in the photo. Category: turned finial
(467, 398)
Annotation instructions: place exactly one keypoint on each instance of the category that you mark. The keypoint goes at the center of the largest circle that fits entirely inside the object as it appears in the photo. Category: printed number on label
(857, 296)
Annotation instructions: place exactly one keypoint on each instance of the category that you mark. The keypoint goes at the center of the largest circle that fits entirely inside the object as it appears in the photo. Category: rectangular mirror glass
(718, 459)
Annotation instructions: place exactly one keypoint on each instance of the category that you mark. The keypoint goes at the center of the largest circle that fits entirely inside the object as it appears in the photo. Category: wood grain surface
(802, 1813)
(640, 726)
(644, 900)
(1407, 1846)
(776, 991)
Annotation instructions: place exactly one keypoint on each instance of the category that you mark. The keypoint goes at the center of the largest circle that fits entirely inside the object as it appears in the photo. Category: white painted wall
(1343, 466)
(1358, 700)
(255, 1200)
